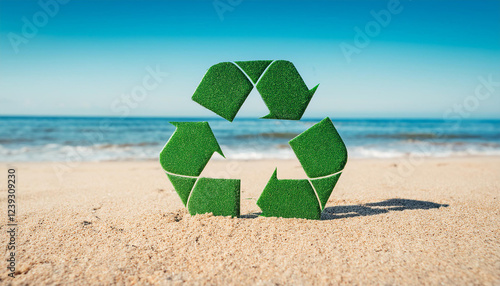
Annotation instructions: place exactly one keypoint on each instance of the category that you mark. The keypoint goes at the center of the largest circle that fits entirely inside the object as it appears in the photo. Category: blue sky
(85, 57)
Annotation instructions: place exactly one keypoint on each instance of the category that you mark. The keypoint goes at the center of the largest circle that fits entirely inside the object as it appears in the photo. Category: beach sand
(395, 221)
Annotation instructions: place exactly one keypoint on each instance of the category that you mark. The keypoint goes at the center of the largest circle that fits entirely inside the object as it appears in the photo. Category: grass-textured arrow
(323, 155)
(184, 157)
(189, 149)
(289, 199)
(284, 91)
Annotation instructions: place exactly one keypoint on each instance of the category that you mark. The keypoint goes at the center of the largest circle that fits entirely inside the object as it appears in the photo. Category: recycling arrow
(189, 149)
(284, 92)
(225, 87)
(289, 198)
(323, 155)
(184, 157)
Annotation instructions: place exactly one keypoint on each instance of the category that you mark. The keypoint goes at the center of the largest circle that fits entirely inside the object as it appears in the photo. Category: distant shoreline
(222, 160)
(216, 118)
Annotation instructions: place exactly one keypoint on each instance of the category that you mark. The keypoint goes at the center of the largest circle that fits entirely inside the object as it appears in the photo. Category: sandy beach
(388, 221)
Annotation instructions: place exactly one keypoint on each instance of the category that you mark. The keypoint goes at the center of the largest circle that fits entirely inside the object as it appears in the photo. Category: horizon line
(242, 117)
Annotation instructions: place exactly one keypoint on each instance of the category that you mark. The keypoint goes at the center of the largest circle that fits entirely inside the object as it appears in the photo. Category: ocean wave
(271, 135)
(57, 152)
(126, 145)
(15, 140)
(420, 136)
(149, 151)
(86, 139)
(423, 151)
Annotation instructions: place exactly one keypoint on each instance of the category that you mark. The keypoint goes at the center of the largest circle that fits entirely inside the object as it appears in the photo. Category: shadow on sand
(386, 206)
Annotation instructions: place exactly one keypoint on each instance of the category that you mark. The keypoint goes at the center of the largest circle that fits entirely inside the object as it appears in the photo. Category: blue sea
(115, 139)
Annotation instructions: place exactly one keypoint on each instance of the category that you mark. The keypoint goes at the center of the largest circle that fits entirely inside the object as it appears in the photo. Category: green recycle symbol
(224, 88)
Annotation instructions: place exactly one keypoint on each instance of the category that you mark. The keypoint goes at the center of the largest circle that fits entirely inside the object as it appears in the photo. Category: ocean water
(103, 139)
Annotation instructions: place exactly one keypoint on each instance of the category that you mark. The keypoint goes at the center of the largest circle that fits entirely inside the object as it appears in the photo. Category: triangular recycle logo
(223, 90)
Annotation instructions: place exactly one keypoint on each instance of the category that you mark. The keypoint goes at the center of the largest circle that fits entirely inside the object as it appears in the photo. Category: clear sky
(84, 57)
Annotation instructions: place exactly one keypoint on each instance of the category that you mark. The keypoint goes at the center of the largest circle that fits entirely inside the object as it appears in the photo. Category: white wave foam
(56, 152)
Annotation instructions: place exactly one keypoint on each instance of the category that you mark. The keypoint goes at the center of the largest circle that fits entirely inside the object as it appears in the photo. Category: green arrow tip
(313, 90)
(204, 131)
(189, 149)
(289, 199)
